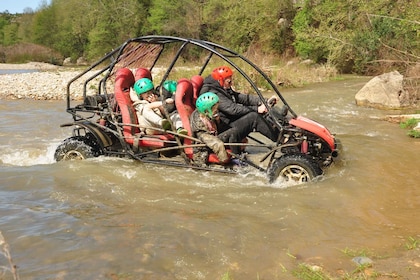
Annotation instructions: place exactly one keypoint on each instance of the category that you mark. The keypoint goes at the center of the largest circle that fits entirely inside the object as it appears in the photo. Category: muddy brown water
(118, 219)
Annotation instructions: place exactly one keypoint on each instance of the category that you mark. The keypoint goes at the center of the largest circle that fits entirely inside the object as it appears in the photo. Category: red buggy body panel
(316, 128)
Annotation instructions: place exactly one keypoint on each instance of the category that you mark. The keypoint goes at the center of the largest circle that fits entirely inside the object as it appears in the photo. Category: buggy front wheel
(76, 148)
(294, 168)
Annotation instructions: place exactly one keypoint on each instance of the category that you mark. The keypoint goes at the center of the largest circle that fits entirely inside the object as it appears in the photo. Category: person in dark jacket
(242, 111)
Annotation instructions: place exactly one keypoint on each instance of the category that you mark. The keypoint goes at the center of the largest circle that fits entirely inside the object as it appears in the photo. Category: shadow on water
(110, 218)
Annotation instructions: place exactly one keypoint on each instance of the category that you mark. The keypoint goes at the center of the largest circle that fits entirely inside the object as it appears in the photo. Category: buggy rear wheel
(76, 148)
(295, 168)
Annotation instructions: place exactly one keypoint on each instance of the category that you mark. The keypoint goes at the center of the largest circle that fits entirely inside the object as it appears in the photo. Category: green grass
(414, 133)
(357, 253)
(310, 272)
(410, 124)
(412, 243)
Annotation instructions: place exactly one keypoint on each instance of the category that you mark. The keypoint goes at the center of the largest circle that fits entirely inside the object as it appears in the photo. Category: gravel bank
(29, 66)
(49, 83)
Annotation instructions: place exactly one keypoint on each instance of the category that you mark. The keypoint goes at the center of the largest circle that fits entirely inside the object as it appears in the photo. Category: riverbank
(28, 66)
(49, 82)
(45, 82)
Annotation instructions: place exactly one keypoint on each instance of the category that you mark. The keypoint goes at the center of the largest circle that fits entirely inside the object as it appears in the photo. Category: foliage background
(363, 37)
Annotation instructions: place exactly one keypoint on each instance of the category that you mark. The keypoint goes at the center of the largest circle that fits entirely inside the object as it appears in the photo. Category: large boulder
(384, 92)
(67, 61)
(81, 61)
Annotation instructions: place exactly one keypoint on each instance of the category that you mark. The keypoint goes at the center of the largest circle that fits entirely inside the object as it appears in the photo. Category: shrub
(25, 52)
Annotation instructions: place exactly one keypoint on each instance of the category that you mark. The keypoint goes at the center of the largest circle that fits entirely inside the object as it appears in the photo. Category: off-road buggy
(105, 121)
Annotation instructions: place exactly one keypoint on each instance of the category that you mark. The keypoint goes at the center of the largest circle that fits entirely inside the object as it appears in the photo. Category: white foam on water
(28, 156)
(44, 154)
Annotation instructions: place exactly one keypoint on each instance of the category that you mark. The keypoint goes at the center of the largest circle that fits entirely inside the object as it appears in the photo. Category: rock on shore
(385, 91)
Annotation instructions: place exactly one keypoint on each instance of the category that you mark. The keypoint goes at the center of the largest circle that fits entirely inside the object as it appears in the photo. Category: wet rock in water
(362, 260)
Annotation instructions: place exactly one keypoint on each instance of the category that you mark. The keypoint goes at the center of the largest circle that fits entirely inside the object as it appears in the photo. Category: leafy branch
(401, 19)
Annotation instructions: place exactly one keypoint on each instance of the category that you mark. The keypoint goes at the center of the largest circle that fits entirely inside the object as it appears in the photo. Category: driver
(242, 111)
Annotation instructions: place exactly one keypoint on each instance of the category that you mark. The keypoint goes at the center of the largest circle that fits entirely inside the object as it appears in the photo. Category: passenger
(167, 91)
(139, 74)
(205, 125)
(149, 109)
(243, 111)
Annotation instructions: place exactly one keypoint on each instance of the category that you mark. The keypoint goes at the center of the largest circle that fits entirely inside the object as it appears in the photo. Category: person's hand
(152, 98)
(262, 109)
(169, 100)
(272, 100)
(216, 117)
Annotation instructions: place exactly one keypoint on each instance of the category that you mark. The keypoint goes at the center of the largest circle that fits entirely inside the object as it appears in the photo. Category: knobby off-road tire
(76, 148)
(296, 168)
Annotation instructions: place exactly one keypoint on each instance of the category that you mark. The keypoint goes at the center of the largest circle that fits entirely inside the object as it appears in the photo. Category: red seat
(185, 104)
(197, 82)
(143, 73)
(124, 80)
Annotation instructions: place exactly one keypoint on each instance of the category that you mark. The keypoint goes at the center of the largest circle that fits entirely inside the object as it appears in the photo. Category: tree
(174, 18)
(357, 36)
(72, 37)
(113, 22)
(45, 27)
(10, 33)
(243, 24)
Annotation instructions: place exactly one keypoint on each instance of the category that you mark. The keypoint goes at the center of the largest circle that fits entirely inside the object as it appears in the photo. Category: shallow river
(118, 219)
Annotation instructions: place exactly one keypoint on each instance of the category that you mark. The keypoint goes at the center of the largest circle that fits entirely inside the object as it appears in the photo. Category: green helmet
(143, 85)
(205, 102)
(170, 86)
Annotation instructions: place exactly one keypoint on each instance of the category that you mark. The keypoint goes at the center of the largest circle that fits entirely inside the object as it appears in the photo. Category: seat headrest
(197, 81)
(143, 73)
(124, 78)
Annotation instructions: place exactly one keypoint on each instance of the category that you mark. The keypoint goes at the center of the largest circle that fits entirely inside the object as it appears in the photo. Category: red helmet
(221, 73)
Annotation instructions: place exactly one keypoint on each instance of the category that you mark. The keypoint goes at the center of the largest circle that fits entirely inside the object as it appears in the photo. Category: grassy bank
(368, 265)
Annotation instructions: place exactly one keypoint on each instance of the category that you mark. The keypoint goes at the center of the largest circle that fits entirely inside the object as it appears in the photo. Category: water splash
(44, 154)
(28, 156)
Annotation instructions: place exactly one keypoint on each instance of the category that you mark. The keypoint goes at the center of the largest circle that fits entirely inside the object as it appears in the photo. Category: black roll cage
(116, 56)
